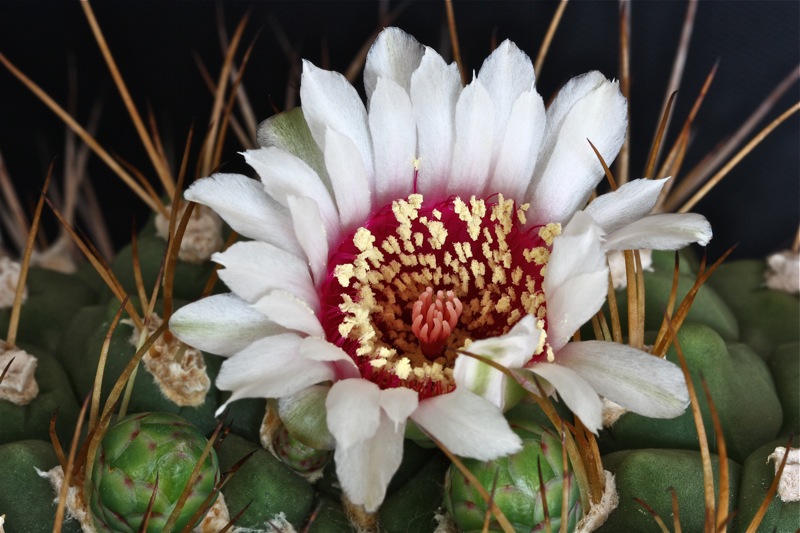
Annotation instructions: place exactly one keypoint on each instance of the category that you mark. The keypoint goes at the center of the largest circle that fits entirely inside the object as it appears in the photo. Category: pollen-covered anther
(433, 319)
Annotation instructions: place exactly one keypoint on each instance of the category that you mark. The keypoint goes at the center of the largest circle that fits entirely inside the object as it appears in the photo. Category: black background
(155, 43)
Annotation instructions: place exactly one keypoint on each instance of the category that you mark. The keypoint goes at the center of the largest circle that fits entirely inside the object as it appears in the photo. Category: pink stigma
(433, 319)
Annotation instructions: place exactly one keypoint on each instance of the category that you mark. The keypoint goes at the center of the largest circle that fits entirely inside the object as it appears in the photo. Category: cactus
(741, 336)
(145, 454)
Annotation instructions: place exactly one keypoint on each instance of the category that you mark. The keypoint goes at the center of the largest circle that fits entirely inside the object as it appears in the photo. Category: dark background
(155, 43)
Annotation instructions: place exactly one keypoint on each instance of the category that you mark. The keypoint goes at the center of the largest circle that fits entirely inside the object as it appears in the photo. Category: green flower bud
(517, 490)
(298, 456)
(136, 452)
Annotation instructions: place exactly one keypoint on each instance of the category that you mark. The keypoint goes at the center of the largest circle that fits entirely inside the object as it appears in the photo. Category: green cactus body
(742, 389)
(649, 474)
(26, 498)
(20, 422)
(53, 299)
(80, 356)
(517, 490)
(132, 455)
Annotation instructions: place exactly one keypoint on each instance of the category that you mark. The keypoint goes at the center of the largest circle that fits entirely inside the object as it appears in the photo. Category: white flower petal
(316, 349)
(577, 250)
(619, 270)
(365, 468)
(284, 174)
(435, 87)
(468, 425)
(588, 107)
(311, 233)
(398, 404)
(572, 305)
(629, 203)
(270, 368)
(222, 324)
(665, 231)
(638, 381)
(289, 311)
(519, 150)
(247, 208)
(579, 396)
(394, 138)
(570, 94)
(576, 281)
(289, 132)
(512, 350)
(472, 153)
(348, 178)
(354, 411)
(506, 74)
(253, 268)
(393, 56)
(329, 101)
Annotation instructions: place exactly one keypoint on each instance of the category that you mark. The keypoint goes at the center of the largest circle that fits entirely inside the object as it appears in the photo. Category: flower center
(433, 319)
(419, 281)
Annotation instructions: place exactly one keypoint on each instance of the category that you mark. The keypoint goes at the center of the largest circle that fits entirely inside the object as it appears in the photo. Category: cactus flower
(385, 237)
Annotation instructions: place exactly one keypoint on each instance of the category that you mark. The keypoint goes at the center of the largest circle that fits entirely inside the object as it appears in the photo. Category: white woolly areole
(783, 272)
(57, 257)
(611, 412)
(444, 522)
(616, 265)
(77, 507)
(203, 235)
(2, 521)
(178, 369)
(599, 511)
(276, 524)
(9, 278)
(789, 485)
(216, 518)
(19, 385)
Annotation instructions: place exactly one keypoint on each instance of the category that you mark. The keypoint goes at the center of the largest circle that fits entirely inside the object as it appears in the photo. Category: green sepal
(304, 415)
